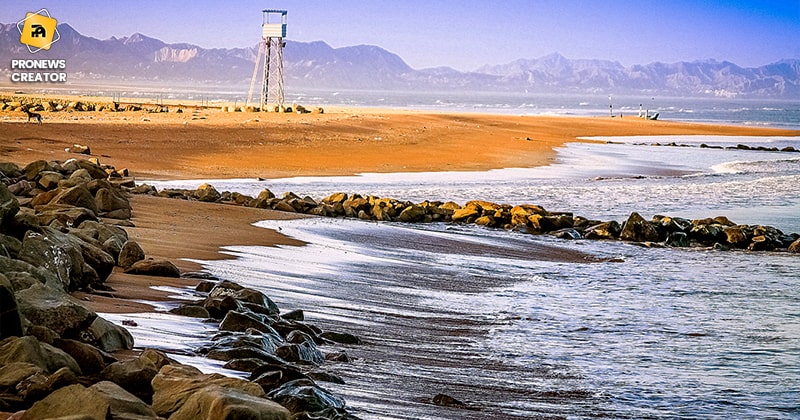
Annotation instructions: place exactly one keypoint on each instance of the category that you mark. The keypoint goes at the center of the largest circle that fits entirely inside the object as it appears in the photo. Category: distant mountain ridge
(139, 58)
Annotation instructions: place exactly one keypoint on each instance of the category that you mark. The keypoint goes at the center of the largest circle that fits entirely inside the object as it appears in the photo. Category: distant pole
(610, 107)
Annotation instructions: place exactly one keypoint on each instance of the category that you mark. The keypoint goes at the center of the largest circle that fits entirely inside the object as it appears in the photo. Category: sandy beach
(209, 143)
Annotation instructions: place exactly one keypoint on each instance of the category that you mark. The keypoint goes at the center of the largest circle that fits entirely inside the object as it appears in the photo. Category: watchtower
(273, 30)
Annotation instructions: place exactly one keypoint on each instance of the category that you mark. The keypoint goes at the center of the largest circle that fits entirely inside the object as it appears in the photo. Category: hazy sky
(463, 34)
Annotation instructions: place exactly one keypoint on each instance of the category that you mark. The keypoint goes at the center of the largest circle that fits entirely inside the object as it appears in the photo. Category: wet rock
(219, 306)
(305, 352)
(412, 214)
(607, 230)
(158, 268)
(193, 311)
(568, 233)
(761, 243)
(341, 338)
(242, 321)
(447, 401)
(253, 296)
(466, 214)
(637, 229)
(304, 395)
(319, 375)
(42, 305)
(215, 402)
(795, 247)
(677, 239)
(338, 356)
(736, 236)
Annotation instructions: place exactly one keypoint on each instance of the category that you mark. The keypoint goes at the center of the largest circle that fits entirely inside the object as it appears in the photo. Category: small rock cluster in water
(718, 232)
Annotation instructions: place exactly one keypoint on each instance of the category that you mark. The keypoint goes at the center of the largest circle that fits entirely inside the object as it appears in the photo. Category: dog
(32, 114)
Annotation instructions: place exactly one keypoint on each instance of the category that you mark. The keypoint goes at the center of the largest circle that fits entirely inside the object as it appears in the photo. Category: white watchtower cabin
(273, 30)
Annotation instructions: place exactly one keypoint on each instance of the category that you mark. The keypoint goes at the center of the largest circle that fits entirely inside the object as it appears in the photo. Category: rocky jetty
(717, 232)
(61, 231)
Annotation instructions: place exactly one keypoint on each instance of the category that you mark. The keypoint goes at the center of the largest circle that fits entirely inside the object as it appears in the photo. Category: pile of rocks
(21, 103)
(61, 230)
(718, 232)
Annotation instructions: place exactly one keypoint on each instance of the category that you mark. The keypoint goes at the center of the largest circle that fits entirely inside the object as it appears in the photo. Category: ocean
(647, 333)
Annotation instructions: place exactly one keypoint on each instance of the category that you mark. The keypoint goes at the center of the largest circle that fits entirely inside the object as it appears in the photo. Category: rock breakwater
(62, 229)
(718, 232)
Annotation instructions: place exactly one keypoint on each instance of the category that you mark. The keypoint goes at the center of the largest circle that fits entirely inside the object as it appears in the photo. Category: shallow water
(665, 333)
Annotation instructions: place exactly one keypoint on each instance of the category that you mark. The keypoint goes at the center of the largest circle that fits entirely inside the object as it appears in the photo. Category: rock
(265, 194)
(10, 170)
(33, 169)
(112, 202)
(9, 246)
(447, 401)
(63, 255)
(256, 297)
(207, 193)
(54, 309)
(795, 247)
(678, 239)
(9, 206)
(761, 243)
(49, 180)
(158, 268)
(14, 373)
(130, 254)
(319, 375)
(216, 402)
(607, 230)
(242, 321)
(341, 338)
(88, 357)
(412, 214)
(637, 229)
(133, 375)
(295, 315)
(736, 236)
(68, 216)
(568, 233)
(174, 385)
(466, 213)
(302, 395)
(219, 306)
(73, 400)
(11, 267)
(122, 404)
(305, 352)
(78, 196)
(93, 167)
(29, 350)
(107, 336)
(79, 149)
(193, 311)
(10, 322)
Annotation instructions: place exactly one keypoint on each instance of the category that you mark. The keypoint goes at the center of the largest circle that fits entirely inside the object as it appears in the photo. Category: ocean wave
(784, 166)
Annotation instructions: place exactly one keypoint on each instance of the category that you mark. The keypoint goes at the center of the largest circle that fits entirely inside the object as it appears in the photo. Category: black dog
(33, 115)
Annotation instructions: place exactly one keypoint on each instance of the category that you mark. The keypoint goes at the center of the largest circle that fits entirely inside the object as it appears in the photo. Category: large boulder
(412, 213)
(606, 230)
(242, 321)
(89, 358)
(637, 229)
(54, 309)
(795, 247)
(263, 302)
(29, 350)
(11, 266)
(122, 404)
(175, 384)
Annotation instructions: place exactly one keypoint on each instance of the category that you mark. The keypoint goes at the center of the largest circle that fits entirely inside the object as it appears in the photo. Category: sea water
(631, 333)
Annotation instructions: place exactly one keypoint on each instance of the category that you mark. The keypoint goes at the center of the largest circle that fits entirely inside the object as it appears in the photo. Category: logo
(38, 31)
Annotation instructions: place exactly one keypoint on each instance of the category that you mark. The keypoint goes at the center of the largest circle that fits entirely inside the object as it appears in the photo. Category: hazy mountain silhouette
(139, 58)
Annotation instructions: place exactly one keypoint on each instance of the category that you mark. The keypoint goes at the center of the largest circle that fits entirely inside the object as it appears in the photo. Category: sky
(462, 34)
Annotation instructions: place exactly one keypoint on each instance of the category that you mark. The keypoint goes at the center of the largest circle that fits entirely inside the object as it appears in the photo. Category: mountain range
(141, 59)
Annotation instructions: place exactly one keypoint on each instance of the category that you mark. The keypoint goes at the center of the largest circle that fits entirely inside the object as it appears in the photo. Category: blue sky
(463, 34)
